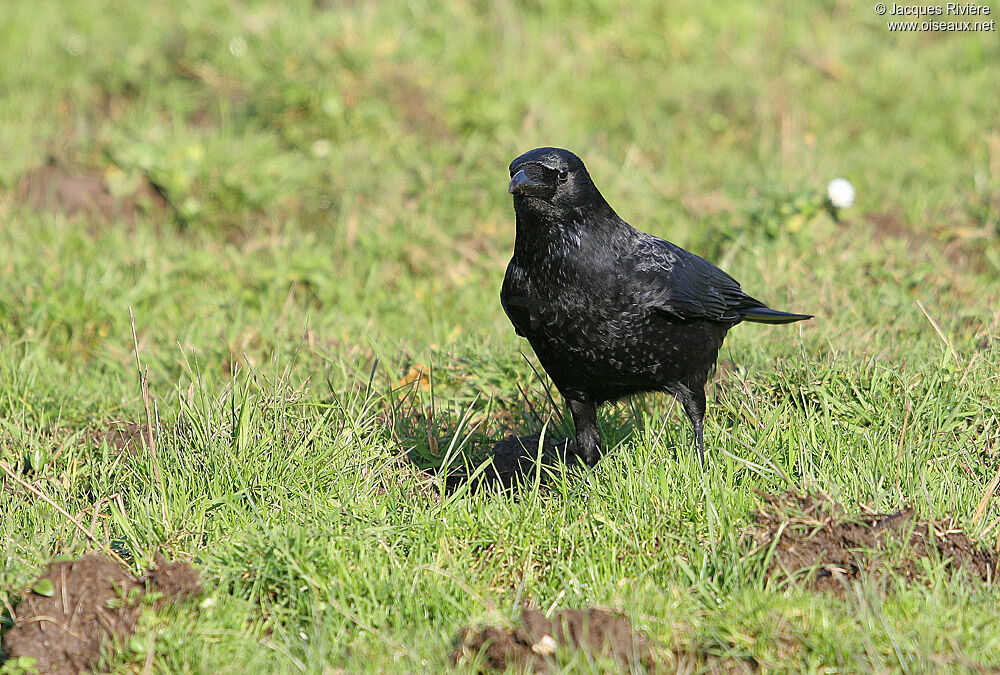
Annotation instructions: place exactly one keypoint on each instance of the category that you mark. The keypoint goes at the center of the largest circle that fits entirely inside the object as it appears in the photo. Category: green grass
(337, 214)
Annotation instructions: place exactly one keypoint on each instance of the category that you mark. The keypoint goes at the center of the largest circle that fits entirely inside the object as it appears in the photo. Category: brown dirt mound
(177, 580)
(811, 536)
(57, 187)
(598, 633)
(76, 605)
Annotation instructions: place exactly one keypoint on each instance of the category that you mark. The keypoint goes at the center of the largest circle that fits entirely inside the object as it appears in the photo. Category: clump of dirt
(123, 437)
(515, 460)
(62, 623)
(177, 580)
(55, 186)
(598, 633)
(76, 605)
(811, 536)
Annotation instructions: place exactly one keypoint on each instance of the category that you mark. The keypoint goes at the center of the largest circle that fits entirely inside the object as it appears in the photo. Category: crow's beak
(520, 184)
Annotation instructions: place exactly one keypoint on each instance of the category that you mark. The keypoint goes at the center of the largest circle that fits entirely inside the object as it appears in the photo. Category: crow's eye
(563, 175)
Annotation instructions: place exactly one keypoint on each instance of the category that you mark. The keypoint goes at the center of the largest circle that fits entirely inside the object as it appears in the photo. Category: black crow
(609, 310)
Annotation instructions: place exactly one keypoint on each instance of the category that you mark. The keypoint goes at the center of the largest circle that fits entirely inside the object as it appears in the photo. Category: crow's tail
(768, 315)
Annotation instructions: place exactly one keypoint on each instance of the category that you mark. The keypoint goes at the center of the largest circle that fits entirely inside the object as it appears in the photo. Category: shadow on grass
(509, 464)
(461, 451)
(451, 451)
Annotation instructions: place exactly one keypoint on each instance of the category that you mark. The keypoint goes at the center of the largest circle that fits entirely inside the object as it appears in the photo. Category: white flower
(840, 192)
(76, 45)
(322, 148)
(238, 47)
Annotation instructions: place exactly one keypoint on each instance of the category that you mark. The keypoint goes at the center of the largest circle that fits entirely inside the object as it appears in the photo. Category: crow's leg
(693, 400)
(588, 435)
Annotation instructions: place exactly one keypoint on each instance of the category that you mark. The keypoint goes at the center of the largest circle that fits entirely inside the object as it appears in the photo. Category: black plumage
(609, 310)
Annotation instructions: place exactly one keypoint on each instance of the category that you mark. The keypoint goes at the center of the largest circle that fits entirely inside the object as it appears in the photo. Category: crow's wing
(516, 305)
(518, 310)
(686, 286)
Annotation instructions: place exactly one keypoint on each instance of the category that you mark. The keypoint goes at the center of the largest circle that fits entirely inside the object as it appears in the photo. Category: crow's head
(550, 181)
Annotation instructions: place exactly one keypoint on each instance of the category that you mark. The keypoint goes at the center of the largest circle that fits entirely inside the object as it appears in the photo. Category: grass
(334, 175)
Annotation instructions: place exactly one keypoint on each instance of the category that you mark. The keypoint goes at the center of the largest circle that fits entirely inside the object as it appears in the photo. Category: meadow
(300, 209)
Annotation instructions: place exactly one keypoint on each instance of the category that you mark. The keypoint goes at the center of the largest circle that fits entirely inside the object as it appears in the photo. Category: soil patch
(123, 437)
(599, 633)
(177, 580)
(891, 225)
(810, 536)
(100, 194)
(76, 605)
(964, 244)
